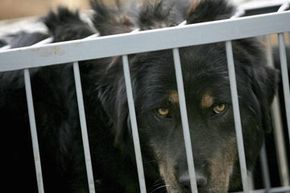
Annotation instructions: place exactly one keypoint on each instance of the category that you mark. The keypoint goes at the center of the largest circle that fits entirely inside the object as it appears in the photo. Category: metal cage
(239, 26)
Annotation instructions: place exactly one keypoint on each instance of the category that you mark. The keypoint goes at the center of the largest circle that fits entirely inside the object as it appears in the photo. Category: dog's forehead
(203, 77)
(205, 99)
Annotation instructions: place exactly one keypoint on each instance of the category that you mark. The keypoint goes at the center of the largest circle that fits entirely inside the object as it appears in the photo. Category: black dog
(208, 100)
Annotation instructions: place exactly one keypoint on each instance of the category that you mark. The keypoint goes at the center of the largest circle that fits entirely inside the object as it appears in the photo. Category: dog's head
(209, 107)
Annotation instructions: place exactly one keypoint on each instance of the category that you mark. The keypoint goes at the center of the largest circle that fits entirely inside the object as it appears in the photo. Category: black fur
(153, 79)
(2, 43)
(22, 39)
(115, 19)
(209, 10)
(157, 14)
(67, 25)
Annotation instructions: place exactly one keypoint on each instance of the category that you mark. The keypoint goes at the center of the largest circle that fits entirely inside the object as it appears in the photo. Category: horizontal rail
(254, 5)
(159, 39)
(284, 189)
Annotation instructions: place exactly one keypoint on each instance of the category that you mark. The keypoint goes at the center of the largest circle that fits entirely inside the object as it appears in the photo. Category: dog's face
(209, 104)
(210, 114)
(210, 120)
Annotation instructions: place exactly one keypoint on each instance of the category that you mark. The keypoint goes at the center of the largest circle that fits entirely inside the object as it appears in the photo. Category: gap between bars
(84, 130)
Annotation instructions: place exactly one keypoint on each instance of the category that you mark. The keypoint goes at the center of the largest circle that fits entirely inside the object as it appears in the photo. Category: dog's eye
(220, 108)
(163, 112)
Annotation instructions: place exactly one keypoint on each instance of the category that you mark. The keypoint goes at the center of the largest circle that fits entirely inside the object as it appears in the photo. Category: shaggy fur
(208, 100)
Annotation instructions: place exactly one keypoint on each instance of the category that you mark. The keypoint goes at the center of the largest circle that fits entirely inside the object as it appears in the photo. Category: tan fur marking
(167, 172)
(173, 97)
(206, 100)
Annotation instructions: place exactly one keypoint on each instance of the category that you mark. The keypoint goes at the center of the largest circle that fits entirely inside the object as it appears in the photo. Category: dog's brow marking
(173, 97)
(221, 166)
(166, 169)
(206, 100)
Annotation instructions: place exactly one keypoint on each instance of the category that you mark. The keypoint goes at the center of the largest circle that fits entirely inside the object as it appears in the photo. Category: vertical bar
(34, 138)
(184, 120)
(5, 48)
(42, 42)
(237, 117)
(286, 91)
(285, 78)
(251, 181)
(265, 169)
(133, 119)
(84, 131)
(283, 7)
(278, 124)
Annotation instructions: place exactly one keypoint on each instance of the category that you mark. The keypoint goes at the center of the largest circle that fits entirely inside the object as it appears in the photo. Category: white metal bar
(240, 12)
(252, 5)
(279, 141)
(93, 36)
(237, 117)
(265, 169)
(285, 77)
(5, 47)
(249, 178)
(32, 123)
(183, 23)
(33, 130)
(42, 42)
(123, 44)
(84, 130)
(286, 91)
(277, 121)
(272, 190)
(283, 7)
(282, 159)
(134, 126)
(184, 119)
(284, 69)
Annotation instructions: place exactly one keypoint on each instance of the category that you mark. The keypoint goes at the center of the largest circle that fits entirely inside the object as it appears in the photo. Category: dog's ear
(121, 121)
(113, 98)
(158, 14)
(64, 25)
(113, 19)
(264, 82)
(209, 10)
(263, 79)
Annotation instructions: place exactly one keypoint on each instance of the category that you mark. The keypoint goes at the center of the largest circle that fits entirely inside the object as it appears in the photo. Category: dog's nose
(184, 180)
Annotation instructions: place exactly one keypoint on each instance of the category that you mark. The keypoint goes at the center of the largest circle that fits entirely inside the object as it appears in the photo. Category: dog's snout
(201, 180)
